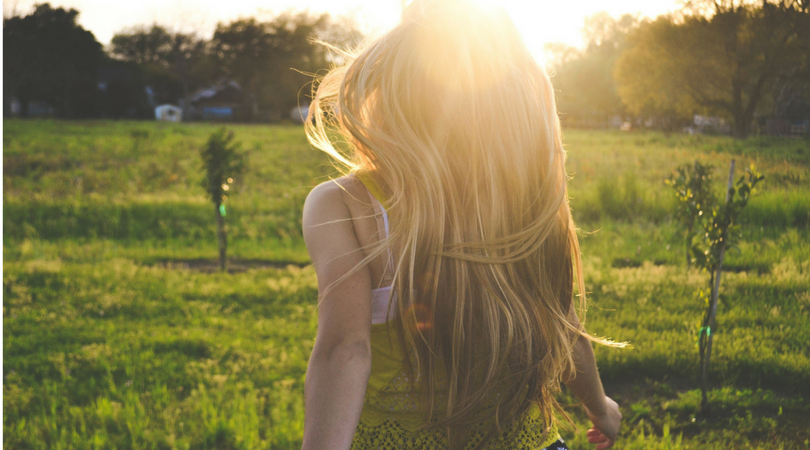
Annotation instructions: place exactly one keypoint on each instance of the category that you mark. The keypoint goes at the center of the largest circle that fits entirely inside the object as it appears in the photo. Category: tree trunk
(742, 127)
(24, 102)
(222, 237)
(745, 118)
(185, 101)
(709, 322)
(65, 110)
(741, 124)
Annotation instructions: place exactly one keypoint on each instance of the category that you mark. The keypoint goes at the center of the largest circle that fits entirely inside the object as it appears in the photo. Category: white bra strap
(385, 219)
(383, 229)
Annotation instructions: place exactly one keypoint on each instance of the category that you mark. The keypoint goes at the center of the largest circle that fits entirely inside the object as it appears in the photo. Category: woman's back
(393, 414)
(452, 125)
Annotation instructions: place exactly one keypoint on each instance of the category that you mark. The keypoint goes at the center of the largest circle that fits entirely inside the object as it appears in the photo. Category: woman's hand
(605, 425)
(585, 384)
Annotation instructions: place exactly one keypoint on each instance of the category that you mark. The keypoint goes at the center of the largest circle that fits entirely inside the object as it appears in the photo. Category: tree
(47, 56)
(124, 85)
(652, 90)
(270, 59)
(717, 221)
(222, 162)
(716, 60)
(584, 79)
(142, 45)
(242, 51)
(709, 254)
(175, 63)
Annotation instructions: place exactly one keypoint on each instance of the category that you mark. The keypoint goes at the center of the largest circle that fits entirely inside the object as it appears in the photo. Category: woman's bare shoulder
(344, 193)
(327, 221)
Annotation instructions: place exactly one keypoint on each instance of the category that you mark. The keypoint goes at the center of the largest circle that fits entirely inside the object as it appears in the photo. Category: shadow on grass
(235, 265)
(760, 268)
(756, 415)
(634, 263)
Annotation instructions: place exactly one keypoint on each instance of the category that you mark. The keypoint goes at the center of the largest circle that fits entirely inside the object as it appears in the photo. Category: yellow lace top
(392, 416)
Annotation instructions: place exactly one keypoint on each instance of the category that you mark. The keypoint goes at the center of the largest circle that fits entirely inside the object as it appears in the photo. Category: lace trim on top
(393, 415)
(393, 433)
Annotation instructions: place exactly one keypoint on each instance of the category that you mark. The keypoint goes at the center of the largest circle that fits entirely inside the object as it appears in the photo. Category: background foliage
(742, 61)
(49, 57)
(734, 59)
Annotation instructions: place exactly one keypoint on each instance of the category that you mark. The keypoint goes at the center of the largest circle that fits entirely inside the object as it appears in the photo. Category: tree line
(48, 57)
(742, 61)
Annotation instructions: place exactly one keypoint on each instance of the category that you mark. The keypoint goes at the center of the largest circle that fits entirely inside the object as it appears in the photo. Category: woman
(446, 256)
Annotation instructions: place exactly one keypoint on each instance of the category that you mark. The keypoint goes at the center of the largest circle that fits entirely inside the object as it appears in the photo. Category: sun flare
(538, 22)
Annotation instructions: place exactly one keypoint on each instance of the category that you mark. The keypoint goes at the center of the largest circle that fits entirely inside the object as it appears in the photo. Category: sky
(539, 21)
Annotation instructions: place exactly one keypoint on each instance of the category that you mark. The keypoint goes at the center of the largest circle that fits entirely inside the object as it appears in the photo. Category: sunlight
(538, 22)
(469, 35)
(485, 4)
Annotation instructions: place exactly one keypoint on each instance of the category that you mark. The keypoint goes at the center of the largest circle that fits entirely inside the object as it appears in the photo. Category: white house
(169, 113)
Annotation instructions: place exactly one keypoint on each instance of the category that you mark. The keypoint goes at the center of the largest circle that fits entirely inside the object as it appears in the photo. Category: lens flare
(421, 314)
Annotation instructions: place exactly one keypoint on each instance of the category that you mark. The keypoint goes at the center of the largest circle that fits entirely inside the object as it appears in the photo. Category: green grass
(118, 333)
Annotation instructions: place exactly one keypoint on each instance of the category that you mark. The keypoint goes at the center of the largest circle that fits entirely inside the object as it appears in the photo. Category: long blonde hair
(456, 123)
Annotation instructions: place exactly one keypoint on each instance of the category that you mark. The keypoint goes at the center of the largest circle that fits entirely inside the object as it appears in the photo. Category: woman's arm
(586, 386)
(340, 364)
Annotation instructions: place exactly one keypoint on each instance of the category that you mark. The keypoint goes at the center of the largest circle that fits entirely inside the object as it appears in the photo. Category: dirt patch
(636, 390)
(235, 265)
(758, 268)
(632, 263)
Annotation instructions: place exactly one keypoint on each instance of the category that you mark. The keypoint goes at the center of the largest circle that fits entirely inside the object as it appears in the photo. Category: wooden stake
(222, 238)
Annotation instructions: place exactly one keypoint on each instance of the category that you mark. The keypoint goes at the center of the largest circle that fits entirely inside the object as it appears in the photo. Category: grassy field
(119, 333)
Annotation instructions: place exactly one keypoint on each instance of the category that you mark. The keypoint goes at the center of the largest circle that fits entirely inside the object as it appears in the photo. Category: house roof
(216, 90)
